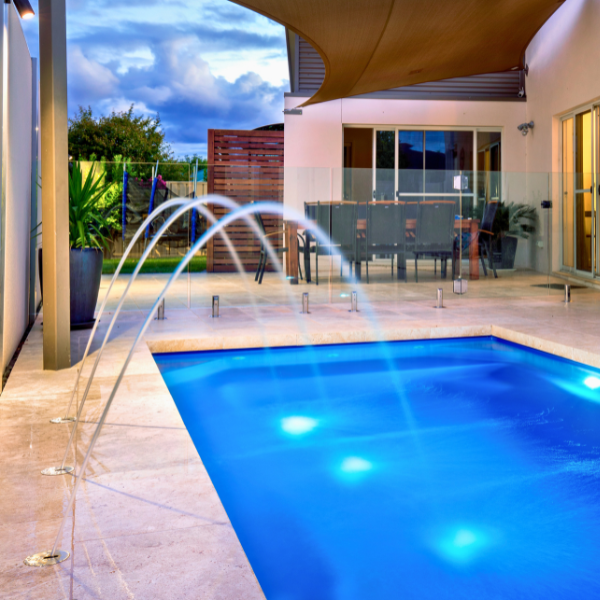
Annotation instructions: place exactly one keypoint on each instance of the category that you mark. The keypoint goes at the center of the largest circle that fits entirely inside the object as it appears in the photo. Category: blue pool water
(438, 470)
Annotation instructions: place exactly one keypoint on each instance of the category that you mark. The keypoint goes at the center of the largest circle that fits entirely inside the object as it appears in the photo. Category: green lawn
(153, 265)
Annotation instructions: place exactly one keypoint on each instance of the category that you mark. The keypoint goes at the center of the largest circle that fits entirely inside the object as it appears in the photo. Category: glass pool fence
(386, 234)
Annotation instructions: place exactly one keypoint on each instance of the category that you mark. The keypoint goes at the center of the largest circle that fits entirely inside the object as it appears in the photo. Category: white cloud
(206, 64)
(88, 76)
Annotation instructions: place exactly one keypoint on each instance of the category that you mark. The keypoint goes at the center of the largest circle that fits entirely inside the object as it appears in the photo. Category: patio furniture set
(357, 232)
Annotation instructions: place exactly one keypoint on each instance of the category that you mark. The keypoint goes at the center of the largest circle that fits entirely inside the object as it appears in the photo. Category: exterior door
(583, 191)
(580, 138)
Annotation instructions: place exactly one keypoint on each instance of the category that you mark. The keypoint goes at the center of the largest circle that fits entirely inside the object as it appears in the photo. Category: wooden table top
(467, 224)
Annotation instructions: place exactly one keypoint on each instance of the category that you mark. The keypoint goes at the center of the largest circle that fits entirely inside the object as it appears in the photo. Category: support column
(55, 185)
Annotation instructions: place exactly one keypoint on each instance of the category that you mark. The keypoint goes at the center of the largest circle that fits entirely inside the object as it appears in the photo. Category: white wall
(564, 74)
(314, 140)
(17, 132)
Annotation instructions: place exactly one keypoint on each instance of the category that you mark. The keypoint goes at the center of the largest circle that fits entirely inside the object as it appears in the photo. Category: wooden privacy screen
(246, 166)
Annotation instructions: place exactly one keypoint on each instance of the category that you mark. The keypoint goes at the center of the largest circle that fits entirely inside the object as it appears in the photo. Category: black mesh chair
(434, 236)
(264, 254)
(485, 235)
(340, 220)
(386, 230)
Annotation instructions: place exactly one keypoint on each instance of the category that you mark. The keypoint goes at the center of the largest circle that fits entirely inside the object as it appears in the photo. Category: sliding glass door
(384, 185)
(429, 162)
(580, 139)
(421, 164)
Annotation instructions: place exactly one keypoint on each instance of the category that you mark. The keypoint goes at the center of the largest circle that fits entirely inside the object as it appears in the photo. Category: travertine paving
(147, 522)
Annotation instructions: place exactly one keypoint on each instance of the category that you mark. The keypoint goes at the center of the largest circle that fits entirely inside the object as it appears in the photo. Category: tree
(140, 139)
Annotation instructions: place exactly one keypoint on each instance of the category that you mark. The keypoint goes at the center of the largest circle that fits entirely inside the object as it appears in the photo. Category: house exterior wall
(564, 74)
(314, 140)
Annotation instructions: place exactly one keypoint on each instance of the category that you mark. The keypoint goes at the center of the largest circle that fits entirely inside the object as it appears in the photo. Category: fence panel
(246, 166)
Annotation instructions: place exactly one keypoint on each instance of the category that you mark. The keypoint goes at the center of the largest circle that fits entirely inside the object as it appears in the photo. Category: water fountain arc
(157, 211)
(188, 205)
(54, 556)
(227, 202)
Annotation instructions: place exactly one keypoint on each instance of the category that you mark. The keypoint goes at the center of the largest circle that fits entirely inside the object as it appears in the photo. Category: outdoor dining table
(470, 226)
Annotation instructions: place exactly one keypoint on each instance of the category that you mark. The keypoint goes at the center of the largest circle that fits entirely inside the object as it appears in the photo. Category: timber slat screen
(245, 166)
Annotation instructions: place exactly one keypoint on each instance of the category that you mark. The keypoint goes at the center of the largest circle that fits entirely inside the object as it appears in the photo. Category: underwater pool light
(355, 464)
(298, 425)
(592, 382)
(462, 546)
(463, 538)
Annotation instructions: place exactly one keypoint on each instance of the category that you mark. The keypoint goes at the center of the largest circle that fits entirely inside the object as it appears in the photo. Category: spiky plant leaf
(88, 226)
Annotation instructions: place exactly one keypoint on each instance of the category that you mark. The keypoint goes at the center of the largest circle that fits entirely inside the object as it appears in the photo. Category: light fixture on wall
(24, 9)
(525, 127)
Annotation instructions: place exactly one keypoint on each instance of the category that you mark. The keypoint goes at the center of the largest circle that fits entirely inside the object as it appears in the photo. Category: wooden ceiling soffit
(373, 45)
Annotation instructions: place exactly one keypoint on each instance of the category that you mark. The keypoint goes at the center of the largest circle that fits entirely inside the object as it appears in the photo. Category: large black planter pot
(85, 271)
(505, 252)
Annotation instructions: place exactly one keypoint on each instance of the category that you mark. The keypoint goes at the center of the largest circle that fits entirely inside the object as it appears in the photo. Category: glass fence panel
(332, 235)
(130, 192)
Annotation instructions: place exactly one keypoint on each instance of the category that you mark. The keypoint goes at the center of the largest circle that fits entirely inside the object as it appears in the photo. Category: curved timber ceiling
(373, 45)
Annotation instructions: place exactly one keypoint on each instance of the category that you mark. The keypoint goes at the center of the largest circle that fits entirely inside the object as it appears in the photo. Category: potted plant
(89, 232)
(513, 221)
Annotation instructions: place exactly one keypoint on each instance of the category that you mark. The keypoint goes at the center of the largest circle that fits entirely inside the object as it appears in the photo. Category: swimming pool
(409, 470)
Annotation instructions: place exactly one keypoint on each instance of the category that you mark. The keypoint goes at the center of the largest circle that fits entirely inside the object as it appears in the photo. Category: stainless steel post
(215, 307)
(160, 313)
(354, 302)
(567, 293)
(305, 310)
(189, 286)
(190, 219)
(460, 239)
(460, 284)
(440, 298)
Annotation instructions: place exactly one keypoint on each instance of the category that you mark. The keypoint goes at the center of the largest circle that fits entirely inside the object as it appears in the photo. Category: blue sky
(199, 63)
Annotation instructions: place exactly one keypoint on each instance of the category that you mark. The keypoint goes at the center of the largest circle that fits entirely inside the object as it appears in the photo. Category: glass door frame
(594, 110)
(375, 130)
(397, 128)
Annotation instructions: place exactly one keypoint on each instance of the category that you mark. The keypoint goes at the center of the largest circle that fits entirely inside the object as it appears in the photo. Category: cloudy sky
(199, 63)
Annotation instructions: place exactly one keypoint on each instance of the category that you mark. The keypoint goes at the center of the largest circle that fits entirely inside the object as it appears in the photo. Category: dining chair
(485, 235)
(434, 236)
(264, 254)
(340, 220)
(386, 230)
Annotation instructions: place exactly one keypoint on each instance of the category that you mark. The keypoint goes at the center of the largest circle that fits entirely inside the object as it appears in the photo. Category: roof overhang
(373, 45)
